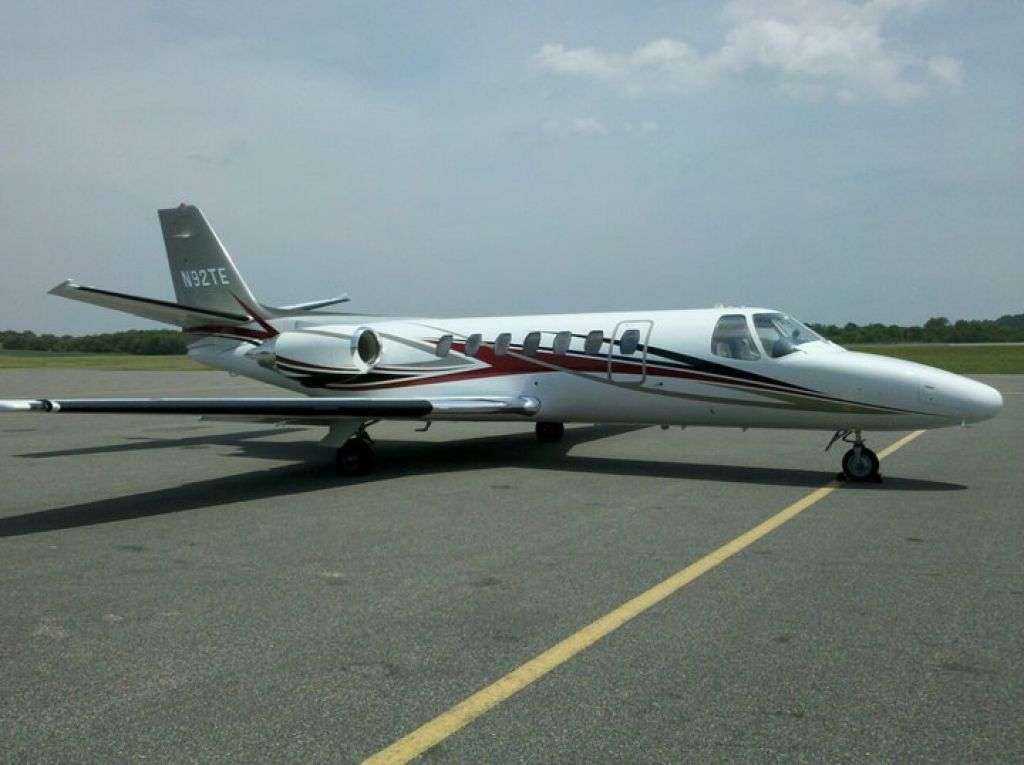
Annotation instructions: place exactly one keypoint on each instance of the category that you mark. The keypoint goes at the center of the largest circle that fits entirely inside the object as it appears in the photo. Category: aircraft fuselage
(649, 367)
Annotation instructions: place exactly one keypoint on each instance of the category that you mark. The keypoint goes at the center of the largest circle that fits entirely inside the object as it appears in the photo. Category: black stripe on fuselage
(698, 364)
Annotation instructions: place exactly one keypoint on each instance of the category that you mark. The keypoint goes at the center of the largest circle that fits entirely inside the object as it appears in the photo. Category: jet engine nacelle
(356, 351)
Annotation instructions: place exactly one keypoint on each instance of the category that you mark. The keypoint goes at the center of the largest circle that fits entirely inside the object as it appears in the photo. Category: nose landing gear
(860, 464)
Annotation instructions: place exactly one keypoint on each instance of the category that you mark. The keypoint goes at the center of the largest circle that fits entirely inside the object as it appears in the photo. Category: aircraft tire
(354, 458)
(863, 469)
(550, 432)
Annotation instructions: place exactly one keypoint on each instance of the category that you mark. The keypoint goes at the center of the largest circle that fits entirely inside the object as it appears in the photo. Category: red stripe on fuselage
(509, 365)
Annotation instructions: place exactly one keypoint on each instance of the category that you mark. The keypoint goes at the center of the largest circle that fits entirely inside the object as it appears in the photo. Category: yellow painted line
(899, 444)
(444, 725)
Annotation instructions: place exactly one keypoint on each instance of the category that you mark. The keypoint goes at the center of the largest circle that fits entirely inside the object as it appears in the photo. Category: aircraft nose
(983, 402)
(966, 399)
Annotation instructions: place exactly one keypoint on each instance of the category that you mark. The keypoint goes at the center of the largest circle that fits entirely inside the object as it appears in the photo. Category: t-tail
(208, 287)
(202, 271)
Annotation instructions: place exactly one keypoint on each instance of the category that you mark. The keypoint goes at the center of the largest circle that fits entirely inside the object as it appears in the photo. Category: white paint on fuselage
(924, 397)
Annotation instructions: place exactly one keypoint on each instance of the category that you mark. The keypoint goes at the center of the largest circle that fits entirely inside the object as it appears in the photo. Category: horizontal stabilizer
(312, 304)
(148, 308)
(285, 409)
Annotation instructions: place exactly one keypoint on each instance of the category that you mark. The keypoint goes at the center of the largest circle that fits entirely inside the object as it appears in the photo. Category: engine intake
(365, 345)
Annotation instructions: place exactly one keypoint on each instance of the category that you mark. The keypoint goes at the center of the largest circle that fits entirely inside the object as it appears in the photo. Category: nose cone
(982, 402)
(960, 397)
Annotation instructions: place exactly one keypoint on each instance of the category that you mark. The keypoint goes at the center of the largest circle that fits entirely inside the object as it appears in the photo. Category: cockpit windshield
(780, 334)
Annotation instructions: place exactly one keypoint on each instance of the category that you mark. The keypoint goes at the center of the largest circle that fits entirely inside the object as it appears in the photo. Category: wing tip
(23, 405)
(67, 284)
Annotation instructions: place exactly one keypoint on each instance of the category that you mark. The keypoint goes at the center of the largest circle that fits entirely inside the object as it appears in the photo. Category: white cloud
(586, 61)
(809, 47)
(662, 63)
(947, 71)
(587, 126)
(578, 126)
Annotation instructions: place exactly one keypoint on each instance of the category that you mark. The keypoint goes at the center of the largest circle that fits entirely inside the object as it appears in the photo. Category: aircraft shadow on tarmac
(314, 471)
(142, 443)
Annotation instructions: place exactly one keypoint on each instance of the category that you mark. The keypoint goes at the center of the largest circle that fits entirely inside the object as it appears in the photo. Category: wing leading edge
(285, 409)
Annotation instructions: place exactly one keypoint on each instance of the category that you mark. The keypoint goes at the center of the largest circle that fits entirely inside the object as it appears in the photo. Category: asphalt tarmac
(174, 590)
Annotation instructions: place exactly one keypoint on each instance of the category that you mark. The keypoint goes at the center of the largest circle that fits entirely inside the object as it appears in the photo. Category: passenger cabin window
(531, 343)
(592, 345)
(780, 334)
(501, 343)
(732, 339)
(560, 346)
(473, 344)
(629, 341)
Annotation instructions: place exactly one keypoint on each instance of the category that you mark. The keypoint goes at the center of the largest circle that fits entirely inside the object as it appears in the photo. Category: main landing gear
(860, 464)
(550, 432)
(355, 456)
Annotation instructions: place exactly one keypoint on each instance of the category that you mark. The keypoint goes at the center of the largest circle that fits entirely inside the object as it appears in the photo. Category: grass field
(962, 359)
(38, 359)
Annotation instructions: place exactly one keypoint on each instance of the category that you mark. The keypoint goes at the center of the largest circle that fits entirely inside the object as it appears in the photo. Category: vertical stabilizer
(201, 269)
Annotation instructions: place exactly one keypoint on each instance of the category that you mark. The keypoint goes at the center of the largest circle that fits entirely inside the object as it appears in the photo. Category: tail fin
(204, 276)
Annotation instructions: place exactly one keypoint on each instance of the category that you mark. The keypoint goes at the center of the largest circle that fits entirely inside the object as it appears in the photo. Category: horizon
(809, 322)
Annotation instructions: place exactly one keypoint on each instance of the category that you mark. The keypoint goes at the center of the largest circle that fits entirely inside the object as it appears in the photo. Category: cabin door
(627, 356)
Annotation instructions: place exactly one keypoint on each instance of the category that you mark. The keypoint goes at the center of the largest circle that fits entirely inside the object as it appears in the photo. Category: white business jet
(726, 367)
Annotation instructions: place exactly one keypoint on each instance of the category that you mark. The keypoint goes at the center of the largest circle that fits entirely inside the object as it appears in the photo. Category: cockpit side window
(732, 339)
(781, 334)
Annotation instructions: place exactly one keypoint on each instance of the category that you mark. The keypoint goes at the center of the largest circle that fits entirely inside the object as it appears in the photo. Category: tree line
(138, 342)
(169, 342)
(1005, 329)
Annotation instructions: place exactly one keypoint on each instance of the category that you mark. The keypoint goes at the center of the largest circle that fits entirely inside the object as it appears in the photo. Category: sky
(840, 161)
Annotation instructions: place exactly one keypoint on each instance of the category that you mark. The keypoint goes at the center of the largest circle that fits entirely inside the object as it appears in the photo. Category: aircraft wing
(312, 410)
